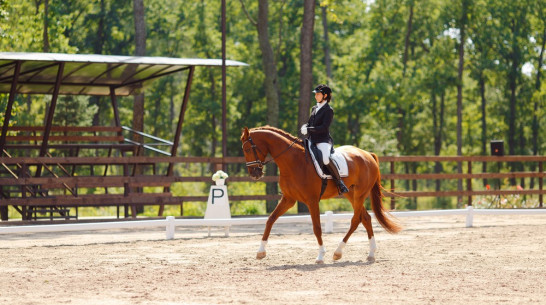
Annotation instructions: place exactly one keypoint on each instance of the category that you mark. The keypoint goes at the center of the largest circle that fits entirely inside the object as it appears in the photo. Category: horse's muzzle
(256, 173)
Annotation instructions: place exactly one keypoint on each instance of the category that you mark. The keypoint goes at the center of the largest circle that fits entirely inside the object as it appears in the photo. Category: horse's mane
(281, 132)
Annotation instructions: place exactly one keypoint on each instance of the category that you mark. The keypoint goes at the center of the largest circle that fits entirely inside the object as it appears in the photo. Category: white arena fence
(170, 223)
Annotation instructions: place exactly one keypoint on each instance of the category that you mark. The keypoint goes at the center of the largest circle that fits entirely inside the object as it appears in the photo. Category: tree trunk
(269, 65)
(140, 50)
(407, 39)
(481, 82)
(512, 84)
(306, 70)
(171, 104)
(46, 26)
(271, 88)
(97, 49)
(534, 125)
(438, 125)
(306, 59)
(214, 139)
(464, 21)
(326, 42)
(401, 110)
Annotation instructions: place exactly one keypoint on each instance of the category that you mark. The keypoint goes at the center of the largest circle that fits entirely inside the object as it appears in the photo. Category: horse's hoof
(337, 256)
(319, 261)
(371, 259)
(260, 255)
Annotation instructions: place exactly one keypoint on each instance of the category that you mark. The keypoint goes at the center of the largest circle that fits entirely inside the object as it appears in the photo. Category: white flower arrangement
(219, 175)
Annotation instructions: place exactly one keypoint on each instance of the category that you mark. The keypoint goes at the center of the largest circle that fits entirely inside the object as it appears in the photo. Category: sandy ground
(501, 260)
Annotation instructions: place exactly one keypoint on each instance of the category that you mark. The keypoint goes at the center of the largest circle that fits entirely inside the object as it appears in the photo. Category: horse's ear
(246, 133)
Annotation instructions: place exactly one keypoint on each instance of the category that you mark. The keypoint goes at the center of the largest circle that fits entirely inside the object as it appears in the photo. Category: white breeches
(325, 149)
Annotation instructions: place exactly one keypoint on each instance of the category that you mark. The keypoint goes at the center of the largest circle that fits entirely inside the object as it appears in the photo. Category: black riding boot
(335, 174)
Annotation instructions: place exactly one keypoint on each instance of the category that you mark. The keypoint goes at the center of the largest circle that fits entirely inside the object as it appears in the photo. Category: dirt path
(433, 261)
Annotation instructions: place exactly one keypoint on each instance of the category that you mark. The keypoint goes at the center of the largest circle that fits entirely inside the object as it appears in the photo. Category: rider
(318, 128)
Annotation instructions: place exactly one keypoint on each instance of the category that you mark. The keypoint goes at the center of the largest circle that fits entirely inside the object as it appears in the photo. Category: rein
(258, 162)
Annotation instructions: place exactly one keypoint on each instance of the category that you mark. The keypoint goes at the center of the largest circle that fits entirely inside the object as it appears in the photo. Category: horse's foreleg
(315, 217)
(284, 205)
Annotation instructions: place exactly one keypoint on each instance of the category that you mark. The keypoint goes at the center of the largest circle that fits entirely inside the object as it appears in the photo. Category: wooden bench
(24, 138)
(65, 134)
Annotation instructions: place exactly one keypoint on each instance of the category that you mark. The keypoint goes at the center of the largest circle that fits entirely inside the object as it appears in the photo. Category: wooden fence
(132, 185)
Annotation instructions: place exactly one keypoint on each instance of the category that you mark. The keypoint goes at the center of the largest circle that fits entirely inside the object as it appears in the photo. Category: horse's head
(254, 156)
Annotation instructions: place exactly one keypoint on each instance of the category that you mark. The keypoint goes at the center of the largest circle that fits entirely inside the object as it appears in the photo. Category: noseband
(258, 163)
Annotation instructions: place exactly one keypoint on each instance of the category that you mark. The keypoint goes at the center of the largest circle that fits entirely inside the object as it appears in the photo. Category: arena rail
(170, 223)
(535, 175)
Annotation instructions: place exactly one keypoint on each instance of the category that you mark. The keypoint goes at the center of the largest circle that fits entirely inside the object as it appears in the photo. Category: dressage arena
(434, 260)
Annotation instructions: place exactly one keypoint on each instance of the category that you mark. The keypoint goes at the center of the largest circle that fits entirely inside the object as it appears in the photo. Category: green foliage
(74, 111)
(388, 85)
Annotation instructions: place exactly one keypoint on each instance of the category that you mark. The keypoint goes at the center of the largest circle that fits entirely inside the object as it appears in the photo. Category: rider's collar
(320, 105)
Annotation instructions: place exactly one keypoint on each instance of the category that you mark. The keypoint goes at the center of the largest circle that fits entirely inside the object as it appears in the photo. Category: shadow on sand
(313, 267)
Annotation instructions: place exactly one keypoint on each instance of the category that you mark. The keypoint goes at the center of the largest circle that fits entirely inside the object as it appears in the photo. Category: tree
(306, 61)
(138, 106)
(46, 26)
(326, 42)
(270, 83)
(462, 24)
(140, 50)
(513, 50)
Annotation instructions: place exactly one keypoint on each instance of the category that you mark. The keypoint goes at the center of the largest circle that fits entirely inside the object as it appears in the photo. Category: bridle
(258, 163)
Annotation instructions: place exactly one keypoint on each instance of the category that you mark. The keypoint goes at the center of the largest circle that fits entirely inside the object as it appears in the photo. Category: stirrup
(342, 188)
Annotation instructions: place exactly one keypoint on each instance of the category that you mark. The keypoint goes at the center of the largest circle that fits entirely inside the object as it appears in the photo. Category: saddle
(316, 157)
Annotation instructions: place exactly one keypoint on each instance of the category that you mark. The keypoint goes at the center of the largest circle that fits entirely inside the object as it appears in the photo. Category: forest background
(409, 77)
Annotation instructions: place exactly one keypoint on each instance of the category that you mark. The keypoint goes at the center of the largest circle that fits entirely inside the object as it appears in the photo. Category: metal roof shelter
(85, 74)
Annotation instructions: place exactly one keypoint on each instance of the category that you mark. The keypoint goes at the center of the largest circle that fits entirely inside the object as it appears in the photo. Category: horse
(299, 182)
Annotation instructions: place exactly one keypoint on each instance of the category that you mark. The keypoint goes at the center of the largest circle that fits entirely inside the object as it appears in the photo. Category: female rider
(318, 128)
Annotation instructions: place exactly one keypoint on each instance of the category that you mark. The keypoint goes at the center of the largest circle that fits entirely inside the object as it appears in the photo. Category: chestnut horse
(300, 182)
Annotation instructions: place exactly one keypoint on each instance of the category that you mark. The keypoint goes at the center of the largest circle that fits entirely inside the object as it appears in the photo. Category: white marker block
(218, 205)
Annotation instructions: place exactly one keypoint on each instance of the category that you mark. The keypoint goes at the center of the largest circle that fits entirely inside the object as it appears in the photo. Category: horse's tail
(387, 221)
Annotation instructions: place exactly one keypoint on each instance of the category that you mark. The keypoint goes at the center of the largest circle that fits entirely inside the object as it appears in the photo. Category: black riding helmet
(324, 89)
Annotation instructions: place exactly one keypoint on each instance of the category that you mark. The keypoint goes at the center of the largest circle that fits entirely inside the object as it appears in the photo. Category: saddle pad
(339, 161)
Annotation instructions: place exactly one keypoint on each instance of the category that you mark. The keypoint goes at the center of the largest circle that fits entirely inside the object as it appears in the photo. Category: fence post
(469, 216)
(170, 227)
(540, 181)
(469, 183)
(392, 186)
(329, 228)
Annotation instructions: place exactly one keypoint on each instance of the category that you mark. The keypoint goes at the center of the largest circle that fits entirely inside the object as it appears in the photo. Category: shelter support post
(114, 101)
(176, 141)
(178, 132)
(117, 121)
(50, 113)
(11, 100)
(7, 117)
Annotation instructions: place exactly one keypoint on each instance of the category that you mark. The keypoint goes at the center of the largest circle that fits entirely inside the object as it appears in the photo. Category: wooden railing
(128, 182)
(468, 191)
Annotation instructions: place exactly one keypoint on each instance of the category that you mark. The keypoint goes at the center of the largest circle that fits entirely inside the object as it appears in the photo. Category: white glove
(303, 129)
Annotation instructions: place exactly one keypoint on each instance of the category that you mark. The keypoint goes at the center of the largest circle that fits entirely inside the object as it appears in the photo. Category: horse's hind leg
(284, 205)
(367, 222)
(357, 204)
